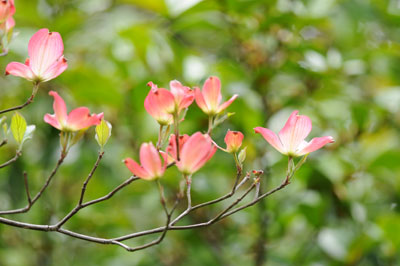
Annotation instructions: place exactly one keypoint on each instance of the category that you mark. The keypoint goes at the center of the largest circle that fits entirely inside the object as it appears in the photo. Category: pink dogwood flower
(290, 140)
(46, 60)
(78, 119)
(195, 151)
(161, 103)
(233, 140)
(152, 167)
(209, 98)
(7, 9)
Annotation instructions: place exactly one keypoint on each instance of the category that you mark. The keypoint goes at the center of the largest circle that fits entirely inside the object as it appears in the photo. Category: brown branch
(12, 160)
(39, 194)
(117, 241)
(28, 194)
(110, 194)
(29, 101)
(83, 190)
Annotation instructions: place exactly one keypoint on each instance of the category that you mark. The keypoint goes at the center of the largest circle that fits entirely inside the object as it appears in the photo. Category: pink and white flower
(291, 139)
(152, 167)
(195, 151)
(209, 98)
(46, 60)
(78, 119)
(161, 103)
(233, 140)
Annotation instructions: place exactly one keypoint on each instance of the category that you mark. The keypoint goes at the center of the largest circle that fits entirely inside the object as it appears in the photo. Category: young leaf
(28, 133)
(18, 127)
(242, 155)
(103, 132)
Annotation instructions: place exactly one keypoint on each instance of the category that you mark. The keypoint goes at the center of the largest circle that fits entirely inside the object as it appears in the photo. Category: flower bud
(233, 140)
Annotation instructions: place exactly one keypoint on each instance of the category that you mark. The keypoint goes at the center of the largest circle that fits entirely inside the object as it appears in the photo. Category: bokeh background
(336, 61)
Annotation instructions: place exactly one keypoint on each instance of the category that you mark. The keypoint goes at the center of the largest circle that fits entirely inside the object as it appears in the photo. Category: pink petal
(55, 69)
(227, 103)
(60, 109)
(19, 70)
(184, 96)
(171, 149)
(271, 138)
(295, 131)
(160, 103)
(10, 23)
(315, 144)
(196, 151)
(212, 93)
(150, 160)
(200, 101)
(136, 169)
(80, 118)
(211, 151)
(52, 120)
(44, 49)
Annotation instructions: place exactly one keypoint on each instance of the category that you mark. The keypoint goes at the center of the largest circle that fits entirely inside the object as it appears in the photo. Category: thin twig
(110, 194)
(235, 187)
(89, 177)
(17, 155)
(83, 190)
(29, 101)
(28, 194)
(39, 194)
(176, 128)
(163, 230)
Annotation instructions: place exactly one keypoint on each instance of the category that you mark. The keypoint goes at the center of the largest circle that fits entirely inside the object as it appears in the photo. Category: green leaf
(242, 155)
(28, 133)
(18, 127)
(103, 132)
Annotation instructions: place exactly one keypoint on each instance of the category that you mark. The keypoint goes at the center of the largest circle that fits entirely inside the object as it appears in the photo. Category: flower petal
(184, 96)
(227, 103)
(171, 149)
(10, 23)
(271, 138)
(55, 69)
(212, 93)
(200, 100)
(60, 109)
(44, 49)
(80, 118)
(150, 160)
(196, 151)
(52, 120)
(19, 70)
(315, 144)
(211, 151)
(160, 103)
(295, 131)
(136, 169)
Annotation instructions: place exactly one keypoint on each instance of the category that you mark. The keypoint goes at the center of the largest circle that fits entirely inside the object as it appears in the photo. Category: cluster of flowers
(168, 107)
(7, 22)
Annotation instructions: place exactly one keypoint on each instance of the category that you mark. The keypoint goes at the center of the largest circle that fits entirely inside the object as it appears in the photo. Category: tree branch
(17, 155)
(117, 241)
(29, 101)
(83, 190)
(39, 194)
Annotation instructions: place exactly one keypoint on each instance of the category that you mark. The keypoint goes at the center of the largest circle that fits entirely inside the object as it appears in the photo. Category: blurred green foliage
(336, 61)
